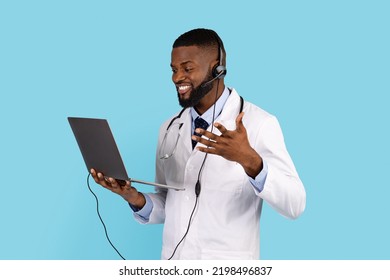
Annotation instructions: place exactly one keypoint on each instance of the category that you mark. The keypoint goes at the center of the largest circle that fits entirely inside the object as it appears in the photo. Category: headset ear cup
(219, 71)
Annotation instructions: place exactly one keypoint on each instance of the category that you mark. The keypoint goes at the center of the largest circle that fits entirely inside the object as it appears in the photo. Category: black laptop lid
(98, 147)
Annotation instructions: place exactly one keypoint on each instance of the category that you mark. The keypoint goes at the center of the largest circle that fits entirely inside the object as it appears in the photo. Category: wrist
(252, 164)
(138, 202)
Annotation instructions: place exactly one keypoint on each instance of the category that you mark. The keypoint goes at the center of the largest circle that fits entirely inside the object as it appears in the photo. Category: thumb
(239, 124)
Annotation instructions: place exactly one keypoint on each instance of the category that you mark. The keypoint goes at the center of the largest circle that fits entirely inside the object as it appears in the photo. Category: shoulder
(261, 125)
(258, 121)
(253, 114)
(256, 111)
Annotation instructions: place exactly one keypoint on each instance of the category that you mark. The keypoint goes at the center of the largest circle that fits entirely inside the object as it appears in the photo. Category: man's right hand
(130, 194)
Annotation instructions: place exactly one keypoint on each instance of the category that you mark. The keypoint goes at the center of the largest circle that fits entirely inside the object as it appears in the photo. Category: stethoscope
(178, 126)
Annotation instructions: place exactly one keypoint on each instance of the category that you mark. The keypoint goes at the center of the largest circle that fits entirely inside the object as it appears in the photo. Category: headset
(219, 70)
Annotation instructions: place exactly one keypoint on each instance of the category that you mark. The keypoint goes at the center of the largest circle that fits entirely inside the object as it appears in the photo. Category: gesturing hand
(232, 145)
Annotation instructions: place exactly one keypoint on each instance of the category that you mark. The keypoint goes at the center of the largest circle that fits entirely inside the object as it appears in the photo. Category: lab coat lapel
(229, 112)
(185, 133)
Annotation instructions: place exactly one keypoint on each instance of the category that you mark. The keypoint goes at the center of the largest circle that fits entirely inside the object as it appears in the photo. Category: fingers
(208, 142)
(206, 134)
(210, 139)
(108, 182)
(112, 183)
(224, 131)
(208, 150)
(221, 128)
(126, 191)
(211, 135)
(99, 178)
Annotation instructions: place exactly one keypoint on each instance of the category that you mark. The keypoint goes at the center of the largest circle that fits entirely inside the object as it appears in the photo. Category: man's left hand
(233, 145)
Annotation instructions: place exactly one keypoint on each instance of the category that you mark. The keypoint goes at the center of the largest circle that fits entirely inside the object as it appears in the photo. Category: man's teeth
(183, 87)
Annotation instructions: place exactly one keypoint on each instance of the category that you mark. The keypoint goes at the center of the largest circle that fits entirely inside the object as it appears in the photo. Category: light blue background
(322, 67)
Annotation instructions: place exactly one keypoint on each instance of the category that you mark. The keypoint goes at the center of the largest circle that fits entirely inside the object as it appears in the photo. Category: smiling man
(229, 155)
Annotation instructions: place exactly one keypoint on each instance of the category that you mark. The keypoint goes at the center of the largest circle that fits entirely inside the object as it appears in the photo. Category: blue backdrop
(322, 67)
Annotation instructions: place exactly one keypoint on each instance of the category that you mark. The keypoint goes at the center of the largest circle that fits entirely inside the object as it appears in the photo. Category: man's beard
(197, 93)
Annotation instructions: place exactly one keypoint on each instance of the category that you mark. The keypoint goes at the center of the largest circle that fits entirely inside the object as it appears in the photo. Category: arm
(283, 189)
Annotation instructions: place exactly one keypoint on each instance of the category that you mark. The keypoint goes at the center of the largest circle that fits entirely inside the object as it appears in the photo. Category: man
(239, 160)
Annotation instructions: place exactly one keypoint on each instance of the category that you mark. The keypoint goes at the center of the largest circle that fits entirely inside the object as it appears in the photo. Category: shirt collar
(208, 115)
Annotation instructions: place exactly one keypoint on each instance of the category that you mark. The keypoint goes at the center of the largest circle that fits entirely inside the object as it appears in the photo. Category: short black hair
(201, 37)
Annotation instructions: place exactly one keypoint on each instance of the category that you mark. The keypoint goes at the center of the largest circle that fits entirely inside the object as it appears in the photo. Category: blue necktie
(199, 123)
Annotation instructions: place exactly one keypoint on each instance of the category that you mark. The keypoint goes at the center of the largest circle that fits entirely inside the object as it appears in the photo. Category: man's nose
(178, 76)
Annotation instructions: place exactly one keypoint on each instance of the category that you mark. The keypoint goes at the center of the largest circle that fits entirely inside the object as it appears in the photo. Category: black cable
(100, 217)
(188, 229)
(197, 185)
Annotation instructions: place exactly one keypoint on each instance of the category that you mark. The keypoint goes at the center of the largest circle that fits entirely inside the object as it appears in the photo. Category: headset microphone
(213, 79)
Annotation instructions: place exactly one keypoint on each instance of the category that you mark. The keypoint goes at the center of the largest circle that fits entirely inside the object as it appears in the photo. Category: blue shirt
(257, 183)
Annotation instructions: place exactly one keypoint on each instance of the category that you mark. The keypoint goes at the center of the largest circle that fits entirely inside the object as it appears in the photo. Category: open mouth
(183, 89)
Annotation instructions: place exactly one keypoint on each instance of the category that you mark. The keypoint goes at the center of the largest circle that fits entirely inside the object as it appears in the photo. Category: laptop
(99, 150)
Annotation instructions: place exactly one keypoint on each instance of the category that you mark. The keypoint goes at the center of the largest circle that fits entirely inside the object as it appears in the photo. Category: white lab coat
(226, 221)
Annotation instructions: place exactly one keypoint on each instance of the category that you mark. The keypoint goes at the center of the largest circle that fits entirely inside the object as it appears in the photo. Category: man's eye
(188, 69)
(174, 70)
